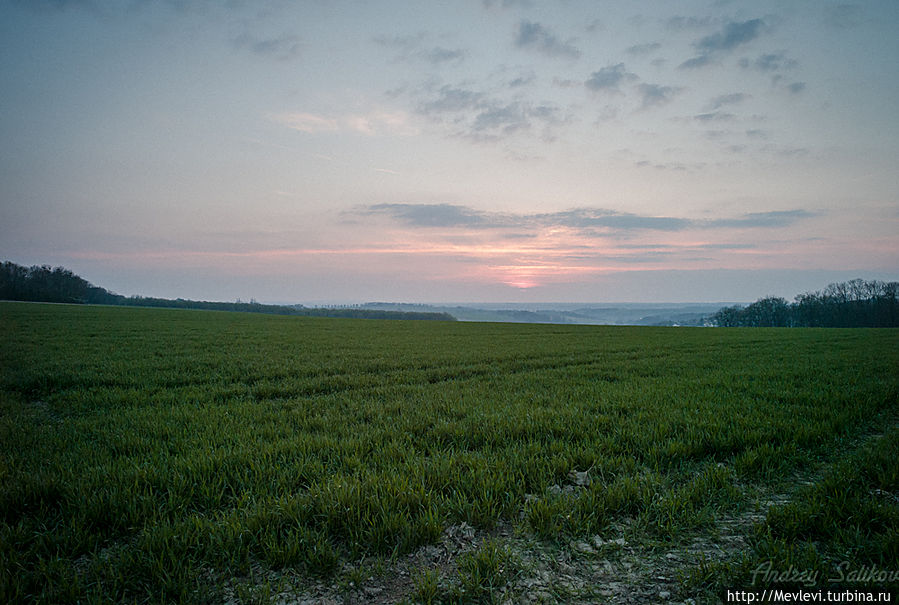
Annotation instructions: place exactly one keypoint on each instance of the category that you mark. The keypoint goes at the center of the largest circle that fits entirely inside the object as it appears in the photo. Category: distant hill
(60, 285)
(633, 314)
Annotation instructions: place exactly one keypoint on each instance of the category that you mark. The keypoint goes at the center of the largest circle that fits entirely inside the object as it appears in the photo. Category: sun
(521, 284)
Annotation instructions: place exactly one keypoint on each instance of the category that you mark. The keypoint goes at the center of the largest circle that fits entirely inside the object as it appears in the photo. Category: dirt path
(620, 566)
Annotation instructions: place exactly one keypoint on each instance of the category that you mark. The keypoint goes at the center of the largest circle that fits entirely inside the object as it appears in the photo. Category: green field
(170, 455)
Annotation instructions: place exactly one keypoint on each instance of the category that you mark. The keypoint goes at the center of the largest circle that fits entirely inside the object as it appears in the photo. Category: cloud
(728, 99)
(585, 220)
(413, 48)
(400, 42)
(595, 26)
(308, 122)
(431, 215)
(373, 123)
(496, 120)
(506, 118)
(674, 166)
(770, 62)
(681, 23)
(609, 78)
(778, 218)
(655, 95)
(726, 246)
(639, 50)
(439, 54)
(697, 62)
(451, 99)
(282, 48)
(506, 3)
(715, 116)
(796, 87)
(716, 134)
(478, 117)
(567, 82)
(380, 123)
(731, 36)
(784, 151)
(522, 80)
(451, 215)
(534, 36)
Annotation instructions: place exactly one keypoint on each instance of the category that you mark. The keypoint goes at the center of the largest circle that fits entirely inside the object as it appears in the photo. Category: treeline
(46, 284)
(853, 304)
(60, 285)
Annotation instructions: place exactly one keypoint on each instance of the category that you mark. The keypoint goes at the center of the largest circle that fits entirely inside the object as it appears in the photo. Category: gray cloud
(777, 218)
(413, 48)
(778, 80)
(609, 78)
(639, 50)
(567, 83)
(505, 118)
(729, 99)
(785, 152)
(451, 215)
(438, 55)
(534, 36)
(676, 166)
(681, 23)
(733, 35)
(406, 42)
(697, 62)
(715, 116)
(432, 215)
(716, 134)
(584, 219)
(595, 26)
(726, 246)
(522, 80)
(478, 117)
(769, 62)
(450, 99)
(655, 95)
(597, 217)
(282, 48)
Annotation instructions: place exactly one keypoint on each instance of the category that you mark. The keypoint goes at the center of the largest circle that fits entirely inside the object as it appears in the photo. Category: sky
(460, 151)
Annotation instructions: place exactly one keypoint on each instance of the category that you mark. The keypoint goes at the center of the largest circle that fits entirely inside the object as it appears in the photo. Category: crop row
(150, 454)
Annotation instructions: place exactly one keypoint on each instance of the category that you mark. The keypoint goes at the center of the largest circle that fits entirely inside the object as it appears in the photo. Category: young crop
(151, 454)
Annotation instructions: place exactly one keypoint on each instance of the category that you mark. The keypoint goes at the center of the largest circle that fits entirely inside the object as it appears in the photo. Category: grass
(840, 531)
(153, 455)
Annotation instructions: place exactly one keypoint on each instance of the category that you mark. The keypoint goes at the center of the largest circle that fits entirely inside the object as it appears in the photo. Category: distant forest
(59, 285)
(853, 304)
